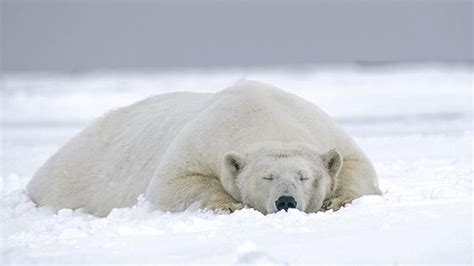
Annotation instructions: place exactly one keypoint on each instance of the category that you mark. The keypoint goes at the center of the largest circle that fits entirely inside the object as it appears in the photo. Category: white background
(414, 122)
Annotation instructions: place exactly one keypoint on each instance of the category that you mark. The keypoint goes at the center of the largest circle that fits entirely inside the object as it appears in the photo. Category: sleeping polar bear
(248, 145)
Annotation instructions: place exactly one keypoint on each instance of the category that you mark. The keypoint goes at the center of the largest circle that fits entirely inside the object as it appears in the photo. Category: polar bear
(251, 144)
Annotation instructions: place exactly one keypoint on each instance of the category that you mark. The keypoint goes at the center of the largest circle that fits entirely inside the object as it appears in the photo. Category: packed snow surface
(414, 122)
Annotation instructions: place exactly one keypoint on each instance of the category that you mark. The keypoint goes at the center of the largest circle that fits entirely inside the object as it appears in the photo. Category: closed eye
(302, 177)
(268, 178)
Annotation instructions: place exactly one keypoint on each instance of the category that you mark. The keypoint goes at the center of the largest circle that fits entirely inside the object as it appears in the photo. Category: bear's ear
(234, 162)
(332, 160)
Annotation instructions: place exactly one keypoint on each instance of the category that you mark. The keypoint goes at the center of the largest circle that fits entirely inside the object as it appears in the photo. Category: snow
(414, 121)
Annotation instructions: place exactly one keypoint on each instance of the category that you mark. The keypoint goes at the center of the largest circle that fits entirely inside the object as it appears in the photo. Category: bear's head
(270, 177)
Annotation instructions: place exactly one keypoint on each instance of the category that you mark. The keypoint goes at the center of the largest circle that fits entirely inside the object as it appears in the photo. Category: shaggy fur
(246, 145)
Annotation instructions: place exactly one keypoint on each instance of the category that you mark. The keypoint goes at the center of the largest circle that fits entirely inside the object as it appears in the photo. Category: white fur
(178, 148)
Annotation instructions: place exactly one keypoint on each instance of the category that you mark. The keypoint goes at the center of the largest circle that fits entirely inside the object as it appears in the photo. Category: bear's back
(250, 112)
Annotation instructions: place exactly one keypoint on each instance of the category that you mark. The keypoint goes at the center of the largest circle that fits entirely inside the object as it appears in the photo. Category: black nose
(285, 203)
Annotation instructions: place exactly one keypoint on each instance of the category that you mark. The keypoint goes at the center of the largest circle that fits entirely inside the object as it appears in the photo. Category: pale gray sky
(74, 35)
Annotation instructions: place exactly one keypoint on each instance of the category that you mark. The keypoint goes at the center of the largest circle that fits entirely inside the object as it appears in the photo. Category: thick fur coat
(250, 144)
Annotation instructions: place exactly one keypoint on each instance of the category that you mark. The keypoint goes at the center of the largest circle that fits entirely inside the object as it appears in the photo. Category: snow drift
(415, 123)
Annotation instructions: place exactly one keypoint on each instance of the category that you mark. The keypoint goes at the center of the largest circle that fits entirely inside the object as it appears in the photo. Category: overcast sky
(81, 35)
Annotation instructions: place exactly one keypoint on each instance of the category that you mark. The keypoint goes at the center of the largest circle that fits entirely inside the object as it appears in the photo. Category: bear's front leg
(192, 192)
(335, 203)
(217, 203)
(357, 178)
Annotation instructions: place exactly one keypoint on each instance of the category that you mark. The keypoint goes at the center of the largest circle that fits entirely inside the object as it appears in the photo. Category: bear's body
(173, 148)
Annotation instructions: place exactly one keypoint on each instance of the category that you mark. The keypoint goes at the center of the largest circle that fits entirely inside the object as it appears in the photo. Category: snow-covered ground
(414, 121)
